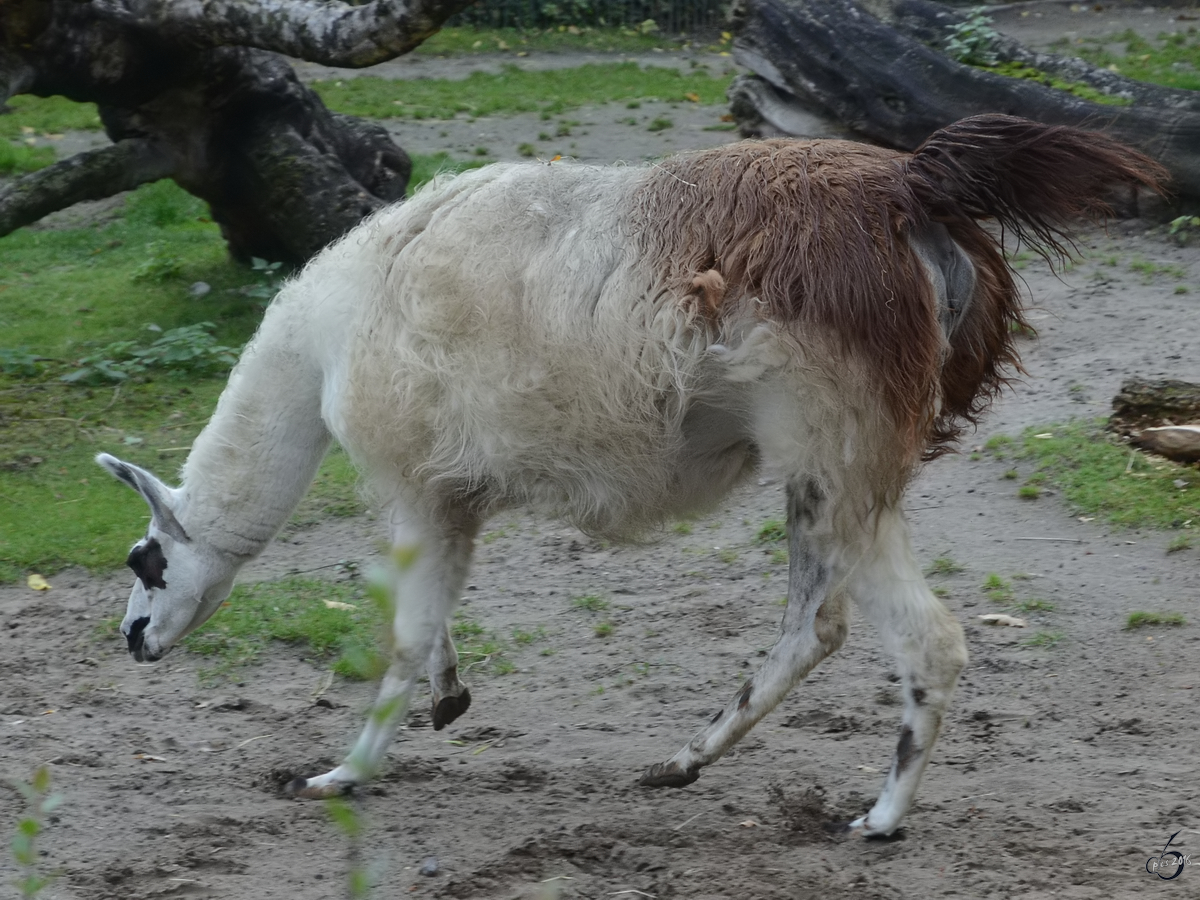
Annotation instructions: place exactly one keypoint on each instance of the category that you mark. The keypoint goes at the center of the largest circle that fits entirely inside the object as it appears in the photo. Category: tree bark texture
(883, 79)
(93, 175)
(195, 90)
(1150, 404)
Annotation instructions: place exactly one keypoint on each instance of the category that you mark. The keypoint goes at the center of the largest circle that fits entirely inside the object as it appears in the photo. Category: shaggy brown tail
(1033, 179)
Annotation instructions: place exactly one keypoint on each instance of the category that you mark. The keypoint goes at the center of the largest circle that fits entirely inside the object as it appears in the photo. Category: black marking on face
(804, 502)
(135, 638)
(148, 563)
(744, 696)
(906, 752)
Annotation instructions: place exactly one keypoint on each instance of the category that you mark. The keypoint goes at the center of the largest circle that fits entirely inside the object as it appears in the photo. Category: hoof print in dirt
(668, 775)
(448, 709)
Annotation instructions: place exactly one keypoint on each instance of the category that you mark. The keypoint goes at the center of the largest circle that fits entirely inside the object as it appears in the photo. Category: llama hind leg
(928, 645)
(451, 698)
(425, 586)
(815, 624)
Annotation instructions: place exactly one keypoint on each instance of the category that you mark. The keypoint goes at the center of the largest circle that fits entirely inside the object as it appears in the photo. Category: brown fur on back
(815, 231)
(818, 231)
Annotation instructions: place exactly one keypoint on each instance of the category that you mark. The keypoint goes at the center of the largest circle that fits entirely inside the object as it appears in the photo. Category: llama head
(180, 581)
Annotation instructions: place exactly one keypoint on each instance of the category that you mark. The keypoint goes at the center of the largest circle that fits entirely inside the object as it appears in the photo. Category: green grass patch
(772, 531)
(525, 636)
(1101, 477)
(1034, 604)
(17, 159)
(1150, 270)
(468, 41)
(1046, 639)
(67, 296)
(347, 636)
(997, 589)
(46, 116)
(1180, 542)
(1142, 619)
(428, 166)
(1173, 60)
(1000, 446)
(513, 91)
(944, 565)
(334, 492)
(478, 649)
(293, 611)
(589, 602)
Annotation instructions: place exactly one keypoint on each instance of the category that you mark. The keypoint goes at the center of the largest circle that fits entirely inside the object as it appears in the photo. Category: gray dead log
(1178, 442)
(93, 175)
(1144, 404)
(883, 81)
(199, 88)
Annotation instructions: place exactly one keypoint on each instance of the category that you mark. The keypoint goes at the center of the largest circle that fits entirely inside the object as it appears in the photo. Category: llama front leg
(451, 698)
(930, 651)
(426, 582)
(815, 624)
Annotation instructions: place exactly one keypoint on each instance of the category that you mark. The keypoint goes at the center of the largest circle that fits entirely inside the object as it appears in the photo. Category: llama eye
(148, 563)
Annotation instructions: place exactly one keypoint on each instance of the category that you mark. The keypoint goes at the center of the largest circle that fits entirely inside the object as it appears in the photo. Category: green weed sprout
(1184, 228)
(1143, 619)
(345, 816)
(30, 882)
(973, 41)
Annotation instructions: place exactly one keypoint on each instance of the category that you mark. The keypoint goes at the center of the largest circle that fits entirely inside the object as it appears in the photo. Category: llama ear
(155, 493)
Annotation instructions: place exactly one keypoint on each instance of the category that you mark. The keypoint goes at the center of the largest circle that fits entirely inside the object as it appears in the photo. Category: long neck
(258, 455)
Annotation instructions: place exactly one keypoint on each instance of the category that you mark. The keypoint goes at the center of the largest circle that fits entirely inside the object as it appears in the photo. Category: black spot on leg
(717, 718)
(148, 563)
(906, 751)
(918, 696)
(743, 697)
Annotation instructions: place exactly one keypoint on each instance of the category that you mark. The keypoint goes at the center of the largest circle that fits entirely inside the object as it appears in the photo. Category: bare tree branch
(93, 175)
(331, 33)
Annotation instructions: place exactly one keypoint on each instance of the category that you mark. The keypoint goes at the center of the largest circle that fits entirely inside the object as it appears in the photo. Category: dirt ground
(1060, 770)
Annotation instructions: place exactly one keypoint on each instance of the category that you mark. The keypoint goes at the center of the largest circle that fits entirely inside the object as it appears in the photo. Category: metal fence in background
(671, 16)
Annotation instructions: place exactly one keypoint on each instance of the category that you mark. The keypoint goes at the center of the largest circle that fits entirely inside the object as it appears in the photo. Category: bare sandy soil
(1060, 770)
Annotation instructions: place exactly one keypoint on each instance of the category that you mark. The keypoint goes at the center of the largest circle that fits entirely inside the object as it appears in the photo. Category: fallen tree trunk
(885, 80)
(198, 92)
(1148, 404)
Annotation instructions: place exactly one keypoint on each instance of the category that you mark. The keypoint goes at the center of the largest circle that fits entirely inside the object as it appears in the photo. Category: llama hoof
(668, 774)
(305, 789)
(860, 828)
(448, 709)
